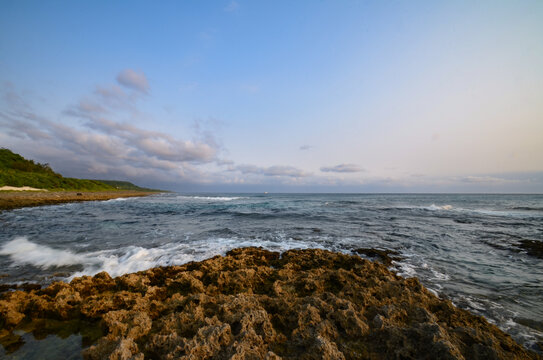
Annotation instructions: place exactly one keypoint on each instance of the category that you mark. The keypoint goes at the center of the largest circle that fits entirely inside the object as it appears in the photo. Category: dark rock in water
(532, 247)
(257, 304)
(79, 194)
(28, 287)
(24, 287)
(463, 221)
(381, 255)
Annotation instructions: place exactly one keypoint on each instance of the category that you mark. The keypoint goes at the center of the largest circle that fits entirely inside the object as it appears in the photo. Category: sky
(278, 96)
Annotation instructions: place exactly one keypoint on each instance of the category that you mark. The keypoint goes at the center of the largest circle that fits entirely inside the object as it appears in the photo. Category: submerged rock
(257, 304)
(532, 247)
(384, 256)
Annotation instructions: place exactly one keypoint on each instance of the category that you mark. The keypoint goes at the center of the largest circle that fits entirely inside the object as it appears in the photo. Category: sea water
(462, 247)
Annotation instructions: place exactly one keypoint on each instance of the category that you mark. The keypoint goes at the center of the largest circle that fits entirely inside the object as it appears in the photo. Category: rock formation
(257, 304)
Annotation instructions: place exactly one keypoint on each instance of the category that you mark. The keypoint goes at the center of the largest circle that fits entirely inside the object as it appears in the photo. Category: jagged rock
(385, 256)
(257, 304)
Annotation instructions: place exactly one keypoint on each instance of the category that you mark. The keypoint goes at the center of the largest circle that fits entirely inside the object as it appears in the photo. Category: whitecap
(22, 251)
(439, 276)
(210, 198)
(116, 200)
(404, 269)
(435, 207)
(136, 258)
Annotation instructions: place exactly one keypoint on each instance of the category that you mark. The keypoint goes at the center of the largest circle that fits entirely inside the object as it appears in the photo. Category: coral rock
(257, 304)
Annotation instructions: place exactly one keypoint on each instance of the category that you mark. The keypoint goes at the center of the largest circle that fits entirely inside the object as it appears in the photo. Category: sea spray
(22, 251)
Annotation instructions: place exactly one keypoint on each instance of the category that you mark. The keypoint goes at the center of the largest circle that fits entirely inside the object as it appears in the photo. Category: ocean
(467, 248)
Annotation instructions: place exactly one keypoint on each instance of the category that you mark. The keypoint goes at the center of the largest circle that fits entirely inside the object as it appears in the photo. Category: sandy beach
(18, 199)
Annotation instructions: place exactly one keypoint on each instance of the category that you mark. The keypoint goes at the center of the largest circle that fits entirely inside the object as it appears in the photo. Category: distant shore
(18, 199)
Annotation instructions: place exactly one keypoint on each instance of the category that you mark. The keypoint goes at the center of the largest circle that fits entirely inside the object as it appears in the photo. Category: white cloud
(342, 168)
(102, 146)
(485, 180)
(134, 80)
(232, 6)
(277, 170)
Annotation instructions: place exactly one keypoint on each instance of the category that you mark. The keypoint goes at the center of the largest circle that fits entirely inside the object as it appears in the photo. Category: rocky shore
(18, 199)
(257, 304)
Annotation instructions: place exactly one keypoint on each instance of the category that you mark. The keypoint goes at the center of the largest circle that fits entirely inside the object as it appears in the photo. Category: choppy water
(463, 247)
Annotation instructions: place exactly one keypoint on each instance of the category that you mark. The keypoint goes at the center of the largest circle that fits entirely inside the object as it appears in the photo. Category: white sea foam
(117, 199)
(515, 214)
(404, 269)
(491, 212)
(474, 303)
(435, 207)
(210, 198)
(439, 276)
(22, 251)
(433, 291)
(135, 258)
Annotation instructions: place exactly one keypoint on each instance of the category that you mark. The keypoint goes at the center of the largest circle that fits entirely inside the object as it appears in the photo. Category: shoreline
(255, 303)
(10, 200)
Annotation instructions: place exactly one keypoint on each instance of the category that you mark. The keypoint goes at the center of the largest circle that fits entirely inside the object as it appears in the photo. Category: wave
(435, 207)
(22, 251)
(519, 212)
(527, 208)
(210, 198)
(504, 213)
(117, 199)
(404, 269)
(136, 258)
(432, 207)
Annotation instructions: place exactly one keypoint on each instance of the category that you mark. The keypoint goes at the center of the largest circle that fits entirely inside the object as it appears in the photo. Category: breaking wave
(22, 251)
(135, 258)
(210, 198)
(435, 207)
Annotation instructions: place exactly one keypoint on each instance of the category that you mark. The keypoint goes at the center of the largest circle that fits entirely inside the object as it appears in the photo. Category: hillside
(126, 185)
(17, 171)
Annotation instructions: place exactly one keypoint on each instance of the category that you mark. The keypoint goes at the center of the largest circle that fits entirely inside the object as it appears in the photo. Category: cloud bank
(342, 168)
(89, 141)
(276, 170)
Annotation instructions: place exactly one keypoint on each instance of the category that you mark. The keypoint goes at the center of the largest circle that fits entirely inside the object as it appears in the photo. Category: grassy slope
(125, 185)
(15, 170)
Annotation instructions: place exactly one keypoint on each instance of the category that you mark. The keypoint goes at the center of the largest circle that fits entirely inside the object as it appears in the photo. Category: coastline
(18, 199)
(254, 303)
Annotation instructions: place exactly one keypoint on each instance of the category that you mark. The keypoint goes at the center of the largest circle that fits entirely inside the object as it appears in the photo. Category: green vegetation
(125, 185)
(17, 171)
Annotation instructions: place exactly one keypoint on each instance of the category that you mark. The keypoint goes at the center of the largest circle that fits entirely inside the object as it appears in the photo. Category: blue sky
(332, 96)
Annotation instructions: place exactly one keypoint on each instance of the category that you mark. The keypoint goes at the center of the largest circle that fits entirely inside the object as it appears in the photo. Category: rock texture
(257, 304)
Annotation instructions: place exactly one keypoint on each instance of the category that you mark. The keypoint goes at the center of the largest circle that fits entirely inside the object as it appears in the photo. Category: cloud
(133, 80)
(277, 170)
(232, 6)
(485, 180)
(305, 147)
(342, 168)
(101, 145)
